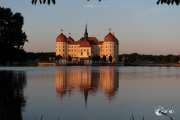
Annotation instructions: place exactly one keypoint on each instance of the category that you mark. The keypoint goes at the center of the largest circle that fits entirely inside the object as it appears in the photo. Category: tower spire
(86, 33)
(62, 30)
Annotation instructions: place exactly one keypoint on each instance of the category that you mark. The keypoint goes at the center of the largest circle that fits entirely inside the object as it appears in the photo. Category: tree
(104, 58)
(177, 2)
(110, 59)
(12, 37)
(59, 57)
(50, 1)
(69, 58)
(44, 1)
(93, 59)
(168, 2)
(98, 58)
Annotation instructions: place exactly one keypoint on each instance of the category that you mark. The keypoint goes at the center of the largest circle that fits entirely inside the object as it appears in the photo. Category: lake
(88, 93)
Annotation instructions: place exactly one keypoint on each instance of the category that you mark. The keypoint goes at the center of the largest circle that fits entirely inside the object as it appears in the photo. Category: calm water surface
(88, 93)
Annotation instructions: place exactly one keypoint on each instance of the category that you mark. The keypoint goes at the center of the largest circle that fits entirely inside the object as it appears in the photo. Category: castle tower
(61, 46)
(110, 47)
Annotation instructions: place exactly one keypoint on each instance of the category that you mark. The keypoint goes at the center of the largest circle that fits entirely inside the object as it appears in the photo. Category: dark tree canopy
(168, 2)
(110, 59)
(177, 2)
(43, 1)
(50, 1)
(137, 59)
(104, 58)
(12, 37)
(11, 34)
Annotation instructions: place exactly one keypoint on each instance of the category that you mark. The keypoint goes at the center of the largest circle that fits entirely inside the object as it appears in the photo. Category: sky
(141, 26)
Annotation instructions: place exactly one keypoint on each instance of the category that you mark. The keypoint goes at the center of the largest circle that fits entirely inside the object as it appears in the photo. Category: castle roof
(61, 38)
(93, 40)
(100, 42)
(84, 43)
(110, 38)
(70, 40)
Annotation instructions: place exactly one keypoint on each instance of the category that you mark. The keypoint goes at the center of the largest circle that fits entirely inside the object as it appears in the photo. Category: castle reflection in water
(88, 81)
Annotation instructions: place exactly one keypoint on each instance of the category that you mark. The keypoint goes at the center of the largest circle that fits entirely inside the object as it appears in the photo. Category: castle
(87, 47)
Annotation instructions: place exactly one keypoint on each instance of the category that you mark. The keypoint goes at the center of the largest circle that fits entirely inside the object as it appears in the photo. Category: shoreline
(93, 65)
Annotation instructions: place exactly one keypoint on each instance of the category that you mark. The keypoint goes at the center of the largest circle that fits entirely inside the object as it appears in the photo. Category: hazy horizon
(141, 26)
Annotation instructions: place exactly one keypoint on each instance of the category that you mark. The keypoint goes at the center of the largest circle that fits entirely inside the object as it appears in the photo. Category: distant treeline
(49, 56)
(30, 58)
(123, 58)
(136, 58)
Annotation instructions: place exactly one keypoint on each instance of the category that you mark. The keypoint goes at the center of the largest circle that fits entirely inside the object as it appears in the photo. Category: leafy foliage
(50, 1)
(44, 1)
(137, 59)
(11, 33)
(12, 37)
(177, 2)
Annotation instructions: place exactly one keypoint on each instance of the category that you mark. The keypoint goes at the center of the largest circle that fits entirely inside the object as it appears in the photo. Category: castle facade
(87, 47)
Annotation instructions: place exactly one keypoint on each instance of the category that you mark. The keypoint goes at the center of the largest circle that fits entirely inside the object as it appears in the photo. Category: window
(87, 53)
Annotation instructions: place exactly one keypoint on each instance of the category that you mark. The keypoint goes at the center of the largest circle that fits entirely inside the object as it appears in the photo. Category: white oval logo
(160, 110)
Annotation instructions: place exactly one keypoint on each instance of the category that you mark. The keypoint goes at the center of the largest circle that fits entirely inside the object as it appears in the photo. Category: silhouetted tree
(168, 2)
(158, 2)
(104, 58)
(156, 59)
(12, 37)
(93, 59)
(110, 59)
(69, 58)
(96, 58)
(44, 1)
(59, 57)
(50, 1)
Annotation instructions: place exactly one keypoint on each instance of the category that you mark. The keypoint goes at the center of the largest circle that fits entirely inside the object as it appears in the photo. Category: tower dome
(61, 38)
(110, 37)
(84, 43)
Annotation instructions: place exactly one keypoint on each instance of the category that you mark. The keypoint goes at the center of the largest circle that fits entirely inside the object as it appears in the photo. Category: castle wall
(109, 49)
(61, 49)
(73, 50)
(85, 52)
